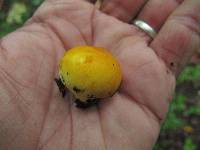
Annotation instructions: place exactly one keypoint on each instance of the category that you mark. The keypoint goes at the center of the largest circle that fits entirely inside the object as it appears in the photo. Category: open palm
(33, 114)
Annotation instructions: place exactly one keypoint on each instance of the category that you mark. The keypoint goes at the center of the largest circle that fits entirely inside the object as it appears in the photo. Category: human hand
(33, 115)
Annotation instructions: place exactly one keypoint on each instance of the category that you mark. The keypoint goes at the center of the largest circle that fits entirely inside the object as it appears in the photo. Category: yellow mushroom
(90, 73)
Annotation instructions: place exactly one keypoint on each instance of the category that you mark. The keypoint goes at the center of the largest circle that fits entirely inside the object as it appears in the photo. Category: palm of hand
(128, 120)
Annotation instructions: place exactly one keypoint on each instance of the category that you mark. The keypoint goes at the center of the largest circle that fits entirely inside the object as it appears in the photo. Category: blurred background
(181, 130)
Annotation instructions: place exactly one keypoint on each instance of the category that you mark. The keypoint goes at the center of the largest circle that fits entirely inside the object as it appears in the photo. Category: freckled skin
(89, 71)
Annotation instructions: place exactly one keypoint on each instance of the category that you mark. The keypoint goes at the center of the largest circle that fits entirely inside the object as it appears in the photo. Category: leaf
(36, 2)
(178, 103)
(7, 28)
(172, 122)
(190, 73)
(189, 145)
(158, 147)
(195, 110)
(16, 13)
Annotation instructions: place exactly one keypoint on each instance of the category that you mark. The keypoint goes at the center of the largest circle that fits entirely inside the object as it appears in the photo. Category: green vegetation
(14, 13)
(173, 122)
(181, 130)
(191, 73)
(189, 145)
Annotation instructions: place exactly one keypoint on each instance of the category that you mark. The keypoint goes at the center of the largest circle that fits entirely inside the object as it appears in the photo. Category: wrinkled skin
(33, 114)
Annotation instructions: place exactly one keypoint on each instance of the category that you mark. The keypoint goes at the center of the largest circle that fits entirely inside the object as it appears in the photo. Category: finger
(124, 10)
(155, 12)
(180, 35)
